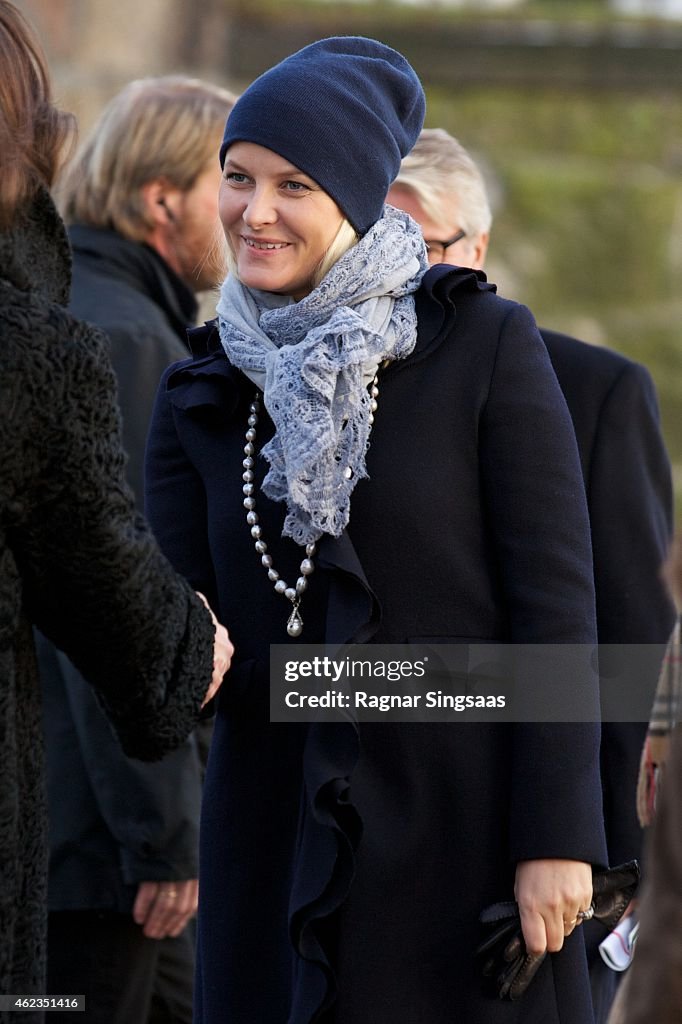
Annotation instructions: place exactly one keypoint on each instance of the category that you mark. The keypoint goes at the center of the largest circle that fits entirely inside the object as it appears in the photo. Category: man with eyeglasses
(441, 187)
(613, 405)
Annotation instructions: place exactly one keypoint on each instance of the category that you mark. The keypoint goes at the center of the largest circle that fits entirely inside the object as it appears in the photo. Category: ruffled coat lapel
(436, 303)
(206, 379)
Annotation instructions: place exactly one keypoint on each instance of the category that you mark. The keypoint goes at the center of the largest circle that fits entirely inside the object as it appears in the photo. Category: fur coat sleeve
(88, 571)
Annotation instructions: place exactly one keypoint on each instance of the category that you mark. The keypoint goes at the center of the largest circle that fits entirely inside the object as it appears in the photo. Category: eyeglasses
(437, 248)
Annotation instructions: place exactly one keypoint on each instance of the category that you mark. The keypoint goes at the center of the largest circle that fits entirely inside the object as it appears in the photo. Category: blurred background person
(141, 202)
(142, 199)
(75, 558)
(652, 990)
(613, 405)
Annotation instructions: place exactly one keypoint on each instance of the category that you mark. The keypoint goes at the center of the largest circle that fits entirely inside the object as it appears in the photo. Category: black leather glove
(507, 967)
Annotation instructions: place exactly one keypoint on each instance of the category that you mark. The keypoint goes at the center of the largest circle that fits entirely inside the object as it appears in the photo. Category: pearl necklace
(307, 566)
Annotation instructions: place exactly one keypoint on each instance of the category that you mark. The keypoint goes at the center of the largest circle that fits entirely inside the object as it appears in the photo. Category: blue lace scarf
(313, 359)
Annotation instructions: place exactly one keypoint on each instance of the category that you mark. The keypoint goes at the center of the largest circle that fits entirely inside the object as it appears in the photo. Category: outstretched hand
(550, 893)
(222, 654)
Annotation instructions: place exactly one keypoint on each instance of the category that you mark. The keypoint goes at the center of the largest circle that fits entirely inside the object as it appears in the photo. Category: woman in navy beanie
(361, 451)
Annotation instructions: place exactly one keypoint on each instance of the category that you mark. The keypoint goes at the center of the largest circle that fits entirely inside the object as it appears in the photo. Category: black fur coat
(78, 562)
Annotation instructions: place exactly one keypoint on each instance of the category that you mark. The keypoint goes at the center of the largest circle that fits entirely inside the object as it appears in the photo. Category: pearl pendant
(307, 566)
(295, 623)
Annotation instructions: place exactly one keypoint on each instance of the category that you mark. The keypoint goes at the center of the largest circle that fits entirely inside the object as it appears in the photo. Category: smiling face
(277, 221)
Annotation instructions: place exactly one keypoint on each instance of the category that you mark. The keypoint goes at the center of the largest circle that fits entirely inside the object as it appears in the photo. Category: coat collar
(207, 379)
(436, 305)
(141, 267)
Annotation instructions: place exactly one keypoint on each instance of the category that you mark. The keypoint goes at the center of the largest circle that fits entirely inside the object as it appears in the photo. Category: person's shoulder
(585, 352)
(117, 306)
(450, 294)
(603, 365)
(464, 290)
(117, 283)
(462, 319)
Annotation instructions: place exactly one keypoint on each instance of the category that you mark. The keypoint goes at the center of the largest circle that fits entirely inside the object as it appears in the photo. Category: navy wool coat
(343, 872)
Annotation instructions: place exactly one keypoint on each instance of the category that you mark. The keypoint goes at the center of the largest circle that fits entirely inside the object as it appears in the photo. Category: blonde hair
(33, 132)
(167, 128)
(439, 167)
(345, 238)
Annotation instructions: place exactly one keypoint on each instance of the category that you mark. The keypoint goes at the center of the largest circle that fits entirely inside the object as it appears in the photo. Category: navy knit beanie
(345, 111)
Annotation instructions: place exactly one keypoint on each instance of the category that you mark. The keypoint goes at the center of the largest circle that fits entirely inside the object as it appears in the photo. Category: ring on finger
(586, 915)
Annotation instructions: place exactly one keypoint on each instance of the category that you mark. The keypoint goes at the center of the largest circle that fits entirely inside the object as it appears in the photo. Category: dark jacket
(472, 526)
(115, 822)
(131, 293)
(78, 562)
(626, 470)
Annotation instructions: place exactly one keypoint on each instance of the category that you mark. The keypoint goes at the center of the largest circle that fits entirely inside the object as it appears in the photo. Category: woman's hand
(549, 894)
(222, 654)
